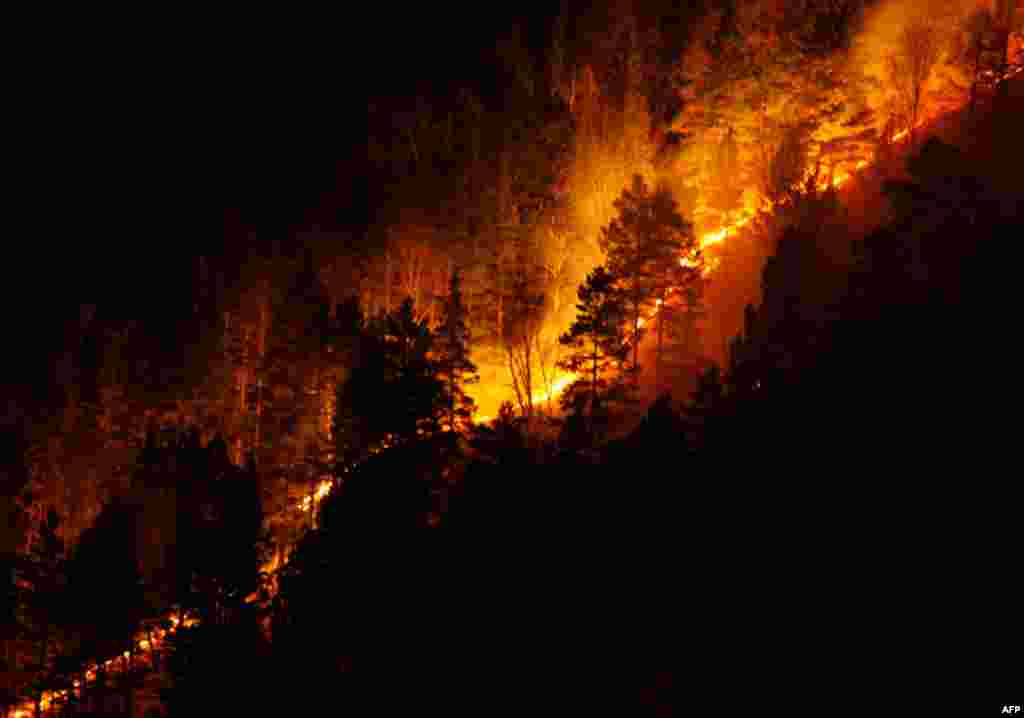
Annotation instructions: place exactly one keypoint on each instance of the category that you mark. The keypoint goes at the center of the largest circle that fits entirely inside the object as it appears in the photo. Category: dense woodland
(675, 308)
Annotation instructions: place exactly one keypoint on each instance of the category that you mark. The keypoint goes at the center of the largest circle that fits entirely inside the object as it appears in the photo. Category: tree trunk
(259, 413)
(129, 698)
(593, 388)
(43, 654)
(501, 307)
(153, 651)
(451, 375)
(527, 374)
(451, 399)
(387, 281)
(657, 355)
(636, 333)
(974, 84)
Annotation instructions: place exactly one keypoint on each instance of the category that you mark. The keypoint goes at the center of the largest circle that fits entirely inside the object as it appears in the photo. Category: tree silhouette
(105, 581)
(597, 347)
(455, 368)
(212, 668)
(46, 600)
(394, 393)
(645, 245)
(910, 68)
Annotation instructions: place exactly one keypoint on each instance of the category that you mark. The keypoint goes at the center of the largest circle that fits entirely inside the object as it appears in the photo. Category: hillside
(688, 315)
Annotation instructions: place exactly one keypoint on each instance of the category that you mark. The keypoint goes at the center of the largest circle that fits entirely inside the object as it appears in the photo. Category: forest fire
(153, 640)
(543, 395)
(752, 161)
(322, 490)
(707, 240)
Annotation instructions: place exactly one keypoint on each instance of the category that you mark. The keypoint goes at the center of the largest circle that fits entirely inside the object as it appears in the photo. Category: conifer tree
(296, 379)
(597, 345)
(455, 368)
(393, 394)
(646, 245)
(676, 324)
(48, 577)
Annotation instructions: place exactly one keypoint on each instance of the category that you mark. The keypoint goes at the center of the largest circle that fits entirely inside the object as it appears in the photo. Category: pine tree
(597, 346)
(48, 577)
(646, 246)
(412, 382)
(297, 380)
(393, 394)
(676, 324)
(452, 349)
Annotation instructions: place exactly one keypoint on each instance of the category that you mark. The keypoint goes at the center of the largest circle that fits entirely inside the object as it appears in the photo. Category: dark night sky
(266, 133)
(154, 147)
(257, 122)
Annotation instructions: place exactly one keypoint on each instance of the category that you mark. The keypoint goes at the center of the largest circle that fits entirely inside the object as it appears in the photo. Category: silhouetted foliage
(394, 393)
(221, 668)
(105, 584)
(454, 367)
(598, 351)
(645, 245)
(590, 560)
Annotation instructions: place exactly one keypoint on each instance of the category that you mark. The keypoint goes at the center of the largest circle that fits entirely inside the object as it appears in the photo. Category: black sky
(172, 137)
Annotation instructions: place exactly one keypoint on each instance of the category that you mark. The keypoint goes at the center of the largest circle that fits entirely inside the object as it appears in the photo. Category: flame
(718, 236)
(48, 699)
(708, 239)
(322, 490)
(541, 395)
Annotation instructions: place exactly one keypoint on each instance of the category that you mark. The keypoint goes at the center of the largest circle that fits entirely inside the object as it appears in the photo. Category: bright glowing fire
(716, 237)
(153, 640)
(545, 394)
(322, 490)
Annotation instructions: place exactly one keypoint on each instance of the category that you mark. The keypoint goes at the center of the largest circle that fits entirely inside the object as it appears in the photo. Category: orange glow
(50, 698)
(596, 211)
(322, 490)
(710, 239)
(542, 395)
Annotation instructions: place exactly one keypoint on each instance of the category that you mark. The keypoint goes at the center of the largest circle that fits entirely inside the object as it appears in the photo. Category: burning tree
(44, 603)
(676, 325)
(979, 27)
(645, 246)
(522, 340)
(785, 166)
(910, 68)
(726, 192)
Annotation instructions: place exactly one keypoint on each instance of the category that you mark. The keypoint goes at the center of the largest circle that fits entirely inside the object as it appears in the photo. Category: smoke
(883, 26)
